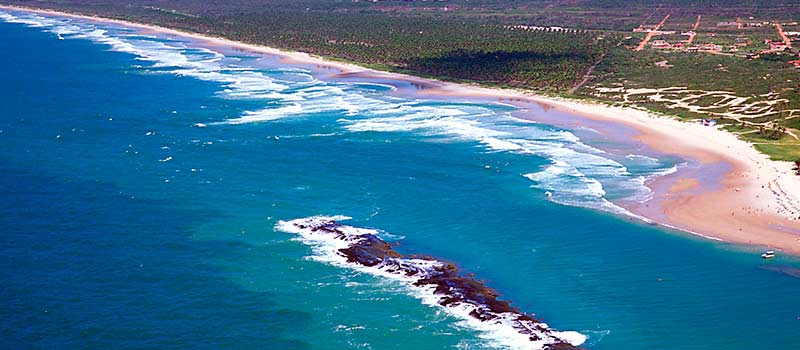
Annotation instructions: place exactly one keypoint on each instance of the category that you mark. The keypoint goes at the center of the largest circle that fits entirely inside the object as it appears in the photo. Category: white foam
(578, 175)
(171, 57)
(499, 331)
(266, 114)
(497, 132)
(643, 158)
(371, 85)
(34, 21)
(561, 176)
(7, 17)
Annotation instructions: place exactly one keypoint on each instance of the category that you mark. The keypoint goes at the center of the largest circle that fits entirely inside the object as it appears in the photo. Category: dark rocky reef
(452, 286)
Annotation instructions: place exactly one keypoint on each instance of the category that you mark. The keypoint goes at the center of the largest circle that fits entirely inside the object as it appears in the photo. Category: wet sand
(728, 191)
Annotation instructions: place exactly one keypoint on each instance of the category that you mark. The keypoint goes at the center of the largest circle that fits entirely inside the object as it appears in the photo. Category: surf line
(441, 283)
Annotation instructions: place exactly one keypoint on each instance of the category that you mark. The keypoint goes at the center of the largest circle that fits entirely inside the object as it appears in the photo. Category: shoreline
(753, 202)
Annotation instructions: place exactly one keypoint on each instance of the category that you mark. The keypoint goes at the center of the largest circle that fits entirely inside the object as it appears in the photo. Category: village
(738, 73)
(748, 38)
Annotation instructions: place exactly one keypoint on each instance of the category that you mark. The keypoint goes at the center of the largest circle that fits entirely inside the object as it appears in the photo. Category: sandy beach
(755, 201)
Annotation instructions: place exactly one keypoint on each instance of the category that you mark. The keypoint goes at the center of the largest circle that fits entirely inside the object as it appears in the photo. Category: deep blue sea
(142, 177)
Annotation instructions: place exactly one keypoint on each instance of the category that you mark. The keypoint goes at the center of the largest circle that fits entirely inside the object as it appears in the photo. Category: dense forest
(578, 48)
(457, 48)
(476, 40)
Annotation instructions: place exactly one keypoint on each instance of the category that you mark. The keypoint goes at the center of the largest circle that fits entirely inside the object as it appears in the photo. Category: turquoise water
(142, 178)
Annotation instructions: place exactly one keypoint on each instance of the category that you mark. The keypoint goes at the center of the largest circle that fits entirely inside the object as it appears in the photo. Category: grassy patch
(788, 152)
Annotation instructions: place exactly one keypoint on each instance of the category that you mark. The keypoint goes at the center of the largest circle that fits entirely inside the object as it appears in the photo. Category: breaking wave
(577, 174)
(434, 282)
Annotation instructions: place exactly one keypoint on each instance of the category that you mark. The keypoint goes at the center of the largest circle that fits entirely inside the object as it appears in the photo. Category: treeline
(445, 48)
(454, 48)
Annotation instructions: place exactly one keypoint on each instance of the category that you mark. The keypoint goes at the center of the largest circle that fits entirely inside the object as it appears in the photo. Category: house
(689, 33)
(777, 46)
(692, 49)
(727, 24)
(795, 63)
(710, 47)
(661, 44)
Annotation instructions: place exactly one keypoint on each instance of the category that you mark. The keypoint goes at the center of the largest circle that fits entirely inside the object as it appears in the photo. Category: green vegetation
(574, 48)
(788, 152)
(451, 47)
(757, 99)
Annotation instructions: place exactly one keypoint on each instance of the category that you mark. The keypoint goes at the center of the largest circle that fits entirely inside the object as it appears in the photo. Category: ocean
(147, 180)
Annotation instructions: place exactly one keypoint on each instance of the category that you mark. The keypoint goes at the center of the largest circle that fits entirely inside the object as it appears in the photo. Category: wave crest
(434, 282)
